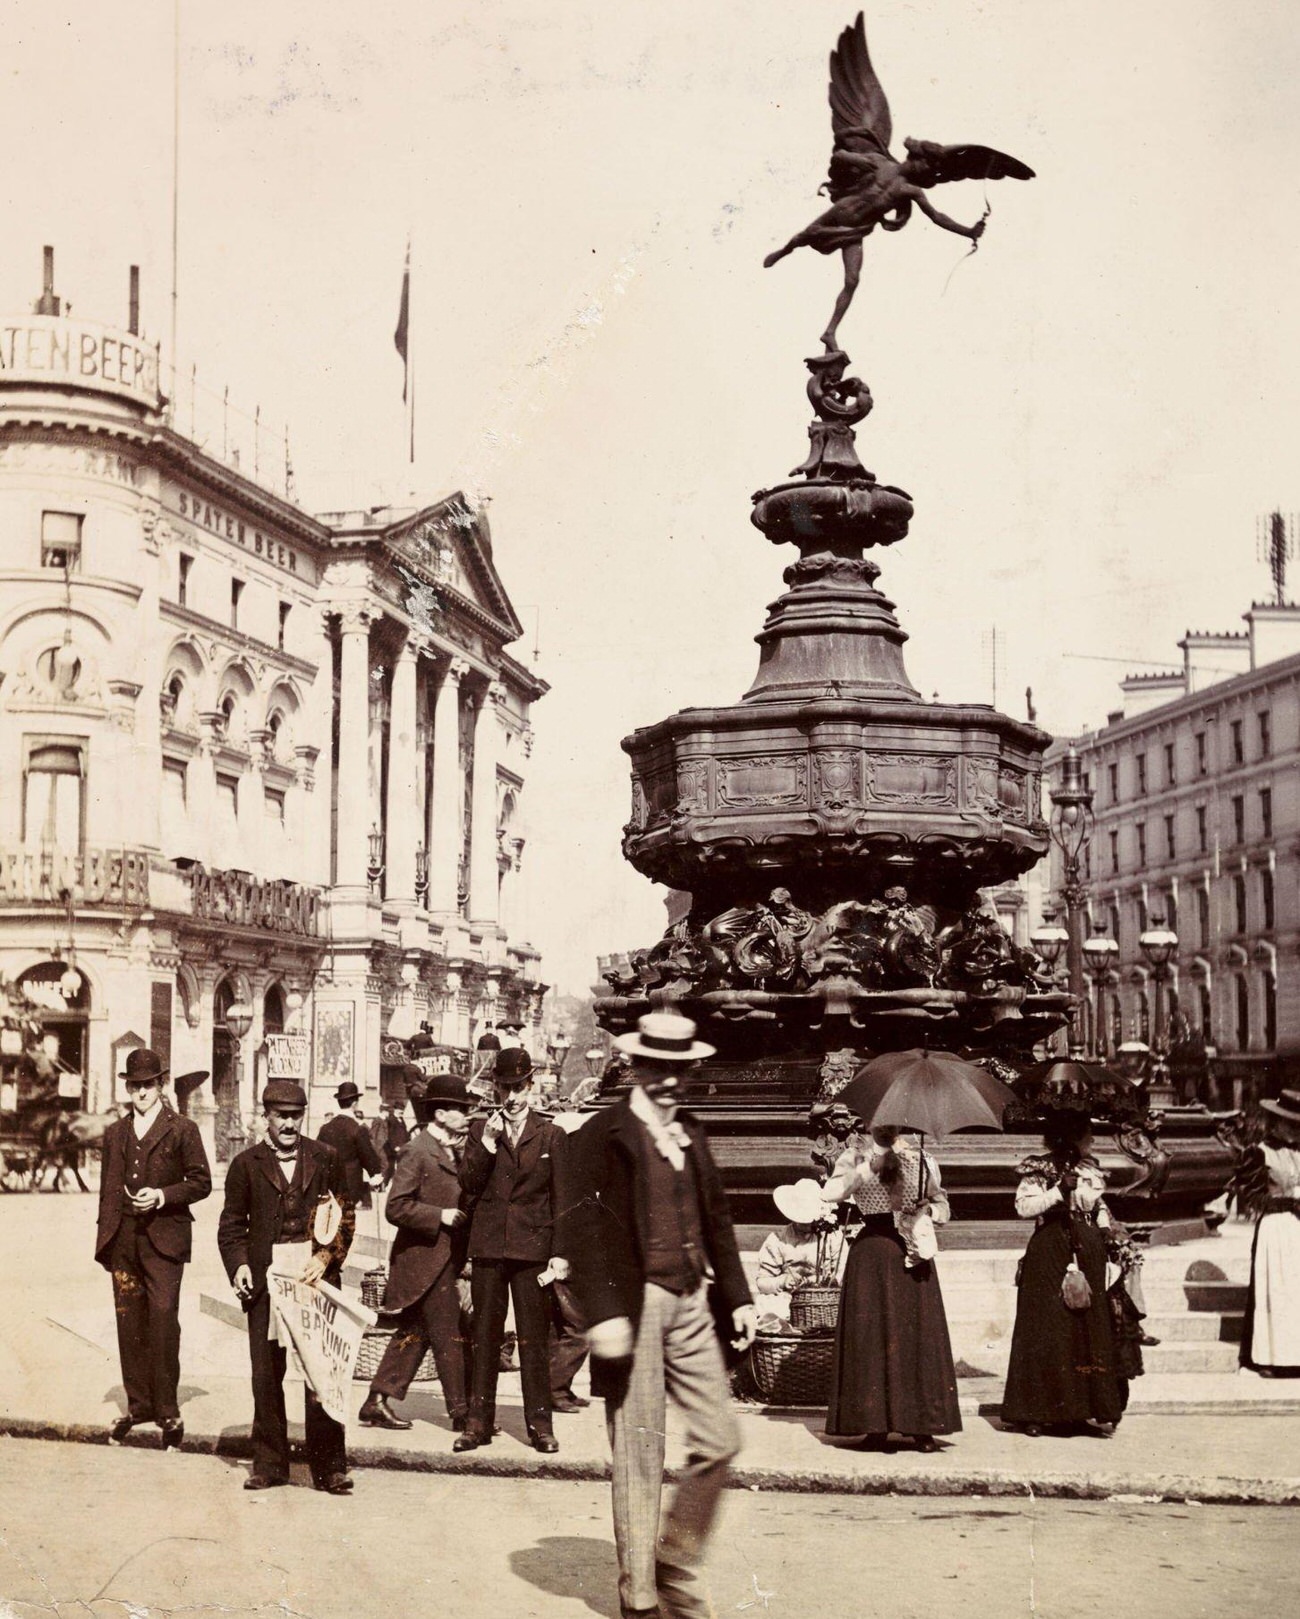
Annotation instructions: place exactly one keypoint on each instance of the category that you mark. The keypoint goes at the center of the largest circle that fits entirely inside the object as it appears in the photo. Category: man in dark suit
(154, 1167)
(427, 1258)
(645, 1226)
(349, 1139)
(508, 1173)
(285, 1191)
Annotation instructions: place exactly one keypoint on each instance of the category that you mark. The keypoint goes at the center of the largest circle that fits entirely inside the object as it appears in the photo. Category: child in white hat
(788, 1256)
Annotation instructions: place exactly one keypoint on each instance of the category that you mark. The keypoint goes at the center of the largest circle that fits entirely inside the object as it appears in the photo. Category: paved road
(85, 1530)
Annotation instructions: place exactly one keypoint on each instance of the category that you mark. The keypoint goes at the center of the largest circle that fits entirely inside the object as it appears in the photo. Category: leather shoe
(547, 1443)
(261, 1481)
(335, 1484)
(376, 1412)
(118, 1430)
(1147, 1341)
(568, 1403)
(471, 1439)
(173, 1432)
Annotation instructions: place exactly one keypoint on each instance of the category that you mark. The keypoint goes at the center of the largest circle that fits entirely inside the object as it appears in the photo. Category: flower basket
(373, 1284)
(815, 1304)
(371, 1352)
(793, 1370)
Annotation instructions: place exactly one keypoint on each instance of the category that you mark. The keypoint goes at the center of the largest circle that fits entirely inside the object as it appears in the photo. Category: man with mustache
(509, 1171)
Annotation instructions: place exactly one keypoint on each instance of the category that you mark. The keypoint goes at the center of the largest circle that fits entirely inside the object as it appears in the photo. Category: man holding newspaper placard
(284, 1233)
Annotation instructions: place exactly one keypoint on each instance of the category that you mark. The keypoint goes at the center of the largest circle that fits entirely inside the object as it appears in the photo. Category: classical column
(484, 873)
(403, 824)
(354, 766)
(445, 807)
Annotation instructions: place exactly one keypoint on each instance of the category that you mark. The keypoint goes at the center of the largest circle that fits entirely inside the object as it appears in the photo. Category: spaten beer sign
(47, 351)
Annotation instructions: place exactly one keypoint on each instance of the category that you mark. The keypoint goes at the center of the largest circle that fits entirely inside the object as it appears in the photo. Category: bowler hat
(285, 1094)
(664, 1037)
(1286, 1108)
(347, 1093)
(144, 1064)
(512, 1063)
(439, 1090)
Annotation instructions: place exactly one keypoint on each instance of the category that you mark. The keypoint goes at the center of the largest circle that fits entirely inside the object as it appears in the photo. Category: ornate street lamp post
(559, 1046)
(1071, 828)
(594, 1057)
(1049, 941)
(1100, 952)
(1159, 945)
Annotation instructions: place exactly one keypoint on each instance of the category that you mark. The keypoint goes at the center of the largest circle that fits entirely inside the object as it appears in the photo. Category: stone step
(990, 1359)
(1191, 1327)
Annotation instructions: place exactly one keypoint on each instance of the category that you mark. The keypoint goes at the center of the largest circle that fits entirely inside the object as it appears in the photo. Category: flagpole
(176, 185)
(410, 340)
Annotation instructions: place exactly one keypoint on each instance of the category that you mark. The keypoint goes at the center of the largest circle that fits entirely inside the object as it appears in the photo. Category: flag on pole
(402, 335)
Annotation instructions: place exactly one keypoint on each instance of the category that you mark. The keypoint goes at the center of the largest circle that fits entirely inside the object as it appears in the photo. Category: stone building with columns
(263, 771)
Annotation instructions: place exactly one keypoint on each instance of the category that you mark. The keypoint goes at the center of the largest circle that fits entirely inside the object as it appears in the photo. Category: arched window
(1270, 1011)
(1207, 1014)
(1144, 1017)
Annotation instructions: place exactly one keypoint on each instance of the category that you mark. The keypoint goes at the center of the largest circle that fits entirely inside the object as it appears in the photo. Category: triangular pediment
(448, 546)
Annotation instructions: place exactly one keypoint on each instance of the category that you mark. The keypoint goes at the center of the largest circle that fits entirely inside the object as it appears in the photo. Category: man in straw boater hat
(428, 1256)
(363, 1168)
(646, 1229)
(280, 1199)
(154, 1167)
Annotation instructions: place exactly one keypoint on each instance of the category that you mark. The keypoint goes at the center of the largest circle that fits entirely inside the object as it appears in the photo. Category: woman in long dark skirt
(1063, 1374)
(893, 1370)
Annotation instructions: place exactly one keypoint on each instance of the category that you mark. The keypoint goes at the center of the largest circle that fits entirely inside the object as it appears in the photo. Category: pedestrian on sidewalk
(347, 1135)
(279, 1198)
(646, 1227)
(1270, 1342)
(154, 1168)
(568, 1347)
(789, 1255)
(1063, 1372)
(893, 1369)
(427, 1258)
(509, 1177)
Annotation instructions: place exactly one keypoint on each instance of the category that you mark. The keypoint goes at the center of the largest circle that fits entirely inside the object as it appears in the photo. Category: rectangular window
(1266, 811)
(61, 540)
(228, 797)
(1203, 916)
(1265, 734)
(1171, 768)
(285, 609)
(175, 788)
(1114, 853)
(1202, 762)
(1171, 911)
(1141, 845)
(1266, 897)
(1238, 819)
(1113, 913)
(1171, 842)
(172, 810)
(1143, 916)
(1141, 763)
(1202, 830)
(183, 566)
(1239, 901)
(1112, 782)
(54, 797)
(1238, 744)
(275, 806)
(236, 591)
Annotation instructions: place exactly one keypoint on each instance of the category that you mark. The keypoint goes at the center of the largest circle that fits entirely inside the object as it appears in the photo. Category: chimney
(133, 315)
(48, 303)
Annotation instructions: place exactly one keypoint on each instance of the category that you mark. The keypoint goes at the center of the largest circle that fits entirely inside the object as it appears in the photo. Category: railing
(114, 877)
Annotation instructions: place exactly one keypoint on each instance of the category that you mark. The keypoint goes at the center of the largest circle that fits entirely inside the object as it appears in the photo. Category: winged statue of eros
(869, 187)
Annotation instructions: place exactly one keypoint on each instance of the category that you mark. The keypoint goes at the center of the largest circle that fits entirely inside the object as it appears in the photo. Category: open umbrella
(1070, 1085)
(934, 1092)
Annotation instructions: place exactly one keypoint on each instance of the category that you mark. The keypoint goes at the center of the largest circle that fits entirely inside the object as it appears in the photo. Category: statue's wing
(975, 163)
(859, 111)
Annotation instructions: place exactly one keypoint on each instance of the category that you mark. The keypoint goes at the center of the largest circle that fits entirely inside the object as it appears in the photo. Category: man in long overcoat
(274, 1194)
(646, 1230)
(154, 1168)
(350, 1140)
(428, 1256)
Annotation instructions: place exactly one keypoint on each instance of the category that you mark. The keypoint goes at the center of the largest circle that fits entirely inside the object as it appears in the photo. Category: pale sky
(1091, 413)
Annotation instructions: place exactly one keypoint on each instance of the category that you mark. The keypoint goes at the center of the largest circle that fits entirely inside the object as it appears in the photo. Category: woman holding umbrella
(1063, 1372)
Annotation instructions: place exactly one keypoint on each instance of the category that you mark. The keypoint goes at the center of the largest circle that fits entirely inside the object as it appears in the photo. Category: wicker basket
(373, 1284)
(793, 1371)
(815, 1304)
(371, 1352)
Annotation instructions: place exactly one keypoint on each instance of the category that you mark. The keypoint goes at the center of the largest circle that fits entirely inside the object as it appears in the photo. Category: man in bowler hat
(645, 1227)
(154, 1167)
(509, 1175)
(363, 1168)
(427, 1258)
(280, 1192)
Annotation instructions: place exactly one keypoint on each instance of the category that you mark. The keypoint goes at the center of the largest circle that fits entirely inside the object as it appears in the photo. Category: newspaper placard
(287, 1056)
(325, 1328)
